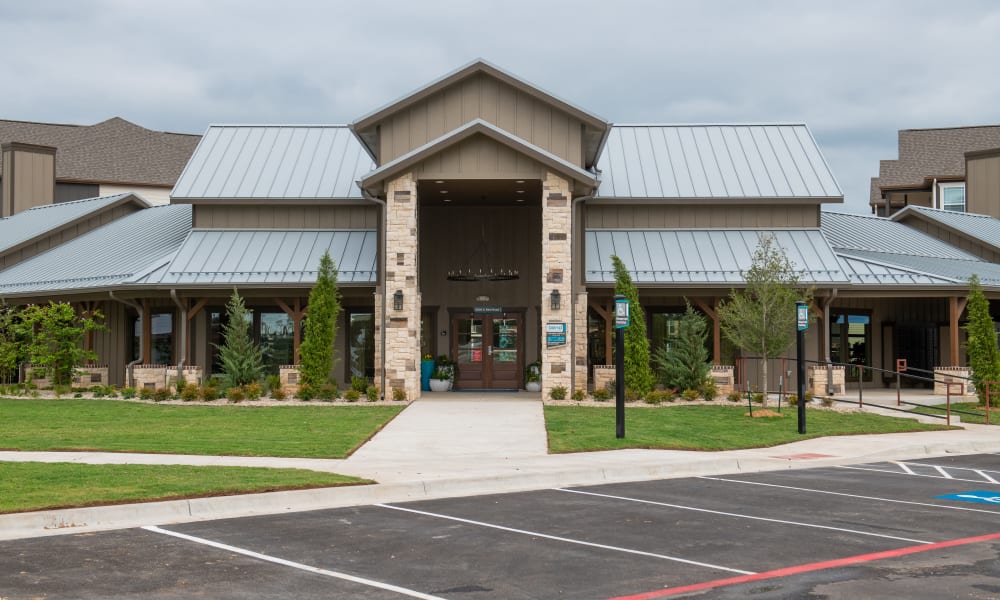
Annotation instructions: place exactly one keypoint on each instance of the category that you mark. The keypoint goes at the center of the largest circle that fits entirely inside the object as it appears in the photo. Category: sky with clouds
(855, 71)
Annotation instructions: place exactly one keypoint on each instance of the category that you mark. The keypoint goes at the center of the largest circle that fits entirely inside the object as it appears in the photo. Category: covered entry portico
(478, 172)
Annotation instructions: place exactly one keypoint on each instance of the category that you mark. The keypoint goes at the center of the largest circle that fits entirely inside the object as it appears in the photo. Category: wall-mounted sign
(487, 310)
(555, 328)
(555, 339)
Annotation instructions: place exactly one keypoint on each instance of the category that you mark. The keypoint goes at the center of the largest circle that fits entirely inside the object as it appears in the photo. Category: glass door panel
(506, 364)
(469, 352)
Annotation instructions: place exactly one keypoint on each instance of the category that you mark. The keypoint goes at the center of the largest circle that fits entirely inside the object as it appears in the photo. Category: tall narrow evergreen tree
(638, 374)
(984, 357)
(242, 360)
(684, 363)
(316, 351)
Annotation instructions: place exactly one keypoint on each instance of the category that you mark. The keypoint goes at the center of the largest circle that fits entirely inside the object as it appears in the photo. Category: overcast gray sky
(855, 72)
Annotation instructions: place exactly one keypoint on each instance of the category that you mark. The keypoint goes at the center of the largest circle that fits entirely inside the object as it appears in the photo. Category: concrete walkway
(465, 444)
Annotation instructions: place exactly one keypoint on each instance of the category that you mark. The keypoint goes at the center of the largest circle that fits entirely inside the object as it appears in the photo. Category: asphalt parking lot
(921, 529)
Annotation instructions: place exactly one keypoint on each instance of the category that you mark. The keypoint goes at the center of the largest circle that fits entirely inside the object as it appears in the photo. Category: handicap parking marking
(980, 496)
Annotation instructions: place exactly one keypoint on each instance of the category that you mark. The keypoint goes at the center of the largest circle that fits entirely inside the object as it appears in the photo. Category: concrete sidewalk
(463, 444)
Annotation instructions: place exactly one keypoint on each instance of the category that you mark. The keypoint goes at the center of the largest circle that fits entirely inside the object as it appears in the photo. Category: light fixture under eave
(484, 271)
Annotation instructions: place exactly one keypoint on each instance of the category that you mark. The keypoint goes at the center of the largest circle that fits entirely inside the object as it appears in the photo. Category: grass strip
(584, 428)
(27, 486)
(978, 410)
(119, 426)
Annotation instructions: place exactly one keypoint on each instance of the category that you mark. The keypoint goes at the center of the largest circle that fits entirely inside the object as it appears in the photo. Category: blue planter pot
(426, 368)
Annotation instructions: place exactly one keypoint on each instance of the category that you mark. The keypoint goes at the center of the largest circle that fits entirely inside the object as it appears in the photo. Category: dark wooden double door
(489, 351)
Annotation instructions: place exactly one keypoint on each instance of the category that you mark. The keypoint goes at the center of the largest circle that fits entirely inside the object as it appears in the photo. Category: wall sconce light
(397, 300)
(555, 297)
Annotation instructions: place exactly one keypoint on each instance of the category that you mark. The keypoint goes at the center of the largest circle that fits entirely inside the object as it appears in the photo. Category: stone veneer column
(377, 339)
(580, 341)
(557, 274)
(402, 327)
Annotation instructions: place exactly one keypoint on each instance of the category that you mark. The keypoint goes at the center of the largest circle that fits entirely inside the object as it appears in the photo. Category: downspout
(934, 198)
(575, 286)
(381, 275)
(128, 368)
(183, 309)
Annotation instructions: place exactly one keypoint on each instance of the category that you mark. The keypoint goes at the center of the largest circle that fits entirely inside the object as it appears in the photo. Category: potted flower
(426, 368)
(440, 380)
(533, 377)
(448, 368)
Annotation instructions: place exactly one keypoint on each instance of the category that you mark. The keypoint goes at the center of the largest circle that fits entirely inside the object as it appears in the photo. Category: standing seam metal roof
(25, 225)
(110, 255)
(981, 227)
(714, 256)
(714, 161)
(275, 161)
(226, 256)
(853, 232)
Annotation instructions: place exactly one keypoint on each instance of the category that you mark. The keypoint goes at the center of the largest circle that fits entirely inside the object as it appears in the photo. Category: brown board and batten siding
(284, 217)
(479, 157)
(111, 346)
(484, 97)
(646, 216)
(982, 187)
(29, 175)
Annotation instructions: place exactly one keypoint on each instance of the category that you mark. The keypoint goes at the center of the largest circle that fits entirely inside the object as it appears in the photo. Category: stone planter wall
(724, 378)
(150, 376)
(40, 381)
(289, 375)
(91, 375)
(187, 375)
(821, 377)
(603, 376)
(943, 375)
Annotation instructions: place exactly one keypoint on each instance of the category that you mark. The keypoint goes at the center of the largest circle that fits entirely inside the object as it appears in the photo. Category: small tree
(54, 334)
(11, 347)
(683, 364)
(761, 318)
(638, 375)
(984, 357)
(324, 308)
(242, 360)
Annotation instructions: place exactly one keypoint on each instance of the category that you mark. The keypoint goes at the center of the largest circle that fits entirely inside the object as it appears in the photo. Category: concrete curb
(79, 520)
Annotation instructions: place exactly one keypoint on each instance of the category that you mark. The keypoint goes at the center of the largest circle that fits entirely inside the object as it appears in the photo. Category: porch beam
(147, 333)
(956, 306)
(197, 308)
(713, 313)
(296, 314)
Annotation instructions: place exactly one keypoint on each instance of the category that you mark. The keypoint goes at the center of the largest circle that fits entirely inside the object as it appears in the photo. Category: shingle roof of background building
(34, 222)
(714, 161)
(932, 153)
(112, 151)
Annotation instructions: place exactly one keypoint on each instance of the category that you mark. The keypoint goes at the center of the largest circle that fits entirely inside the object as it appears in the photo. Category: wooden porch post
(147, 333)
(296, 315)
(956, 306)
(606, 315)
(713, 314)
(191, 314)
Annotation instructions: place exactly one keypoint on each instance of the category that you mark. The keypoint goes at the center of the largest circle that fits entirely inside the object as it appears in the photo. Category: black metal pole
(800, 356)
(620, 382)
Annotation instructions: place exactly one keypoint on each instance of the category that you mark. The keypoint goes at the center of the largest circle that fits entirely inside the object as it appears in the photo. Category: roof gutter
(183, 309)
(380, 277)
(128, 368)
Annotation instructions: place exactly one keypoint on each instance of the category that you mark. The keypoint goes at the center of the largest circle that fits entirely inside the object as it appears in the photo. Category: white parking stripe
(739, 516)
(904, 467)
(910, 473)
(986, 477)
(294, 565)
(858, 496)
(567, 540)
(944, 473)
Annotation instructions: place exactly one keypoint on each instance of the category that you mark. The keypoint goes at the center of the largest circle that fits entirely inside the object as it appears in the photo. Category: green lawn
(973, 407)
(117, 426)
(581, 429)
(36, 486)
